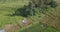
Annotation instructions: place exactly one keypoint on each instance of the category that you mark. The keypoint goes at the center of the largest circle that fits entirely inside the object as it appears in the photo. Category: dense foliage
(35, 7)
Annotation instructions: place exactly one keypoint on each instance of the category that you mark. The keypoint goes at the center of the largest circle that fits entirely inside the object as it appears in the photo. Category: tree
(41, 3)
(36, 7)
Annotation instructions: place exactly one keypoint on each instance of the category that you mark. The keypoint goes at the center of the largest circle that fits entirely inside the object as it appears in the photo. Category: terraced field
(53, 18)
(49, 23)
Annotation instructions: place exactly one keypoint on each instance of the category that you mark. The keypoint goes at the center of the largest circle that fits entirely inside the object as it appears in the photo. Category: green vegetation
(40, 27)
(12, 11)
(9, 8)
(35, 7)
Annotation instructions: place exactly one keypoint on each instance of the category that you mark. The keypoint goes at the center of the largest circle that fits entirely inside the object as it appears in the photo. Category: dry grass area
(11, 27)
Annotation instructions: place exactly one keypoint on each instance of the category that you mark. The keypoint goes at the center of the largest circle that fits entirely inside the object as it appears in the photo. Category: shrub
(53, 4)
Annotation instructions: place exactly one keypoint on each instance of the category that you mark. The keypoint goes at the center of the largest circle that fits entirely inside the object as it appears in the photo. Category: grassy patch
(9, 8)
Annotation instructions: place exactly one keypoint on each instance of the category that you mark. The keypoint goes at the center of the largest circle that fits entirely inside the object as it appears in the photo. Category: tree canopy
(35, 7)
